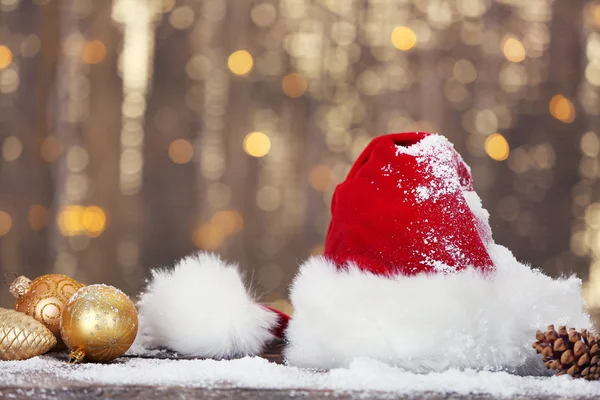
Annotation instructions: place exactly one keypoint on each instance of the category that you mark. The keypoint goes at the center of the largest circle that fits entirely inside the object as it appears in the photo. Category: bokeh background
(134, 132)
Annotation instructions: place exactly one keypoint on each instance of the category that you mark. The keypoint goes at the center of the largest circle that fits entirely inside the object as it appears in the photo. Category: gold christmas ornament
(99, 323)
(44, 299)
(22, 337)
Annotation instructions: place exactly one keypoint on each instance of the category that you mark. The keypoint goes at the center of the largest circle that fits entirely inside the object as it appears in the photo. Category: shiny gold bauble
(99, 324)
(22, 337)
(44, 299)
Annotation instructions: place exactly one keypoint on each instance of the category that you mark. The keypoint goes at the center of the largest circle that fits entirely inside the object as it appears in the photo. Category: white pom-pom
(201, 308)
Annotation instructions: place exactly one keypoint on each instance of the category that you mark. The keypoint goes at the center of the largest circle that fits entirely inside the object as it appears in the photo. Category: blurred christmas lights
(257, 144)
(240, 62)
(37, 217)
(5, 223)
(293, 85)
(181, 151)
(320, 81)
(93, 52)
(11, 148)
(497, 147)
(562, 109)
(77, 220)
(5, 56)
(513, 50)
(403, 38)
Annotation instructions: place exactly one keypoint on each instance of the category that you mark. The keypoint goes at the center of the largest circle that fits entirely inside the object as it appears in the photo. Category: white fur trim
(201, 308)
(427, 322)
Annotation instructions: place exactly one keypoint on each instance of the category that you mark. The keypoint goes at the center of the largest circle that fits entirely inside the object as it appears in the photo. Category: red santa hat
(411, 275)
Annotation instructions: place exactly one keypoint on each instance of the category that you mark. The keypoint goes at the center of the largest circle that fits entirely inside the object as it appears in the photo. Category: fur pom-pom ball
(201, 308)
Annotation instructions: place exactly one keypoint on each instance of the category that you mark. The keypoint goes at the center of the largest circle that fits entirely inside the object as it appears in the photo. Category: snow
(362, 375)
(516, 287)
(481, 215)
(433, 155)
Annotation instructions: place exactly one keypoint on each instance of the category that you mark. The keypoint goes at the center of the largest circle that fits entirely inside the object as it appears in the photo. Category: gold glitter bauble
(22, 337)
(99, 323)
(44, 299)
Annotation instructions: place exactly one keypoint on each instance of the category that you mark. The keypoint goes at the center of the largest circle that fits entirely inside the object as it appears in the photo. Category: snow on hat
(411, 275)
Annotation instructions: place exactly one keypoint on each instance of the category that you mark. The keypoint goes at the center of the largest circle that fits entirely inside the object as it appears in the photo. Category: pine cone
(22, 337)
(574, 353)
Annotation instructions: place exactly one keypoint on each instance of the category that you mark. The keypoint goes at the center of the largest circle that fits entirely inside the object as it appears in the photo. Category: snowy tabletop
(254, 377)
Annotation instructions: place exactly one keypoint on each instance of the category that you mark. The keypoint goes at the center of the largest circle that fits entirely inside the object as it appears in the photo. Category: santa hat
(201, 308)
(411, 275)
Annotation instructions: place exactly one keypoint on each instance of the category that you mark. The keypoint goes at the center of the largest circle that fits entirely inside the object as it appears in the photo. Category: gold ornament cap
(20, 286)
(76, 356)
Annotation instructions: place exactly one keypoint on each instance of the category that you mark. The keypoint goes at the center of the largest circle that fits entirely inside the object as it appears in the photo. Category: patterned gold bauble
(22, 337)
(99, 323)
(44, 299)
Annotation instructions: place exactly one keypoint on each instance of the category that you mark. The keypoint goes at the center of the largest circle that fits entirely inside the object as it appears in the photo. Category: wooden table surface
(47, 385)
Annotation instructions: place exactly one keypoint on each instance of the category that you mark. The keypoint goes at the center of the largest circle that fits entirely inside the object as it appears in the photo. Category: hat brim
(428, 322)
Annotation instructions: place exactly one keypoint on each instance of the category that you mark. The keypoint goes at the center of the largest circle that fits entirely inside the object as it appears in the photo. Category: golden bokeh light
(403, 38)
(70, 220)
(37, 217)
(5, 223)
(240, 62)
(76, 220)
(320, 177)
(229, 221)
(208, 237)
(5, 57)
(257, 144)
(93, 52)
(513, 50)
(496, 146)
(94, 220)
(562, 109)
(181, 151)
(294, 85)
(224, 223)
